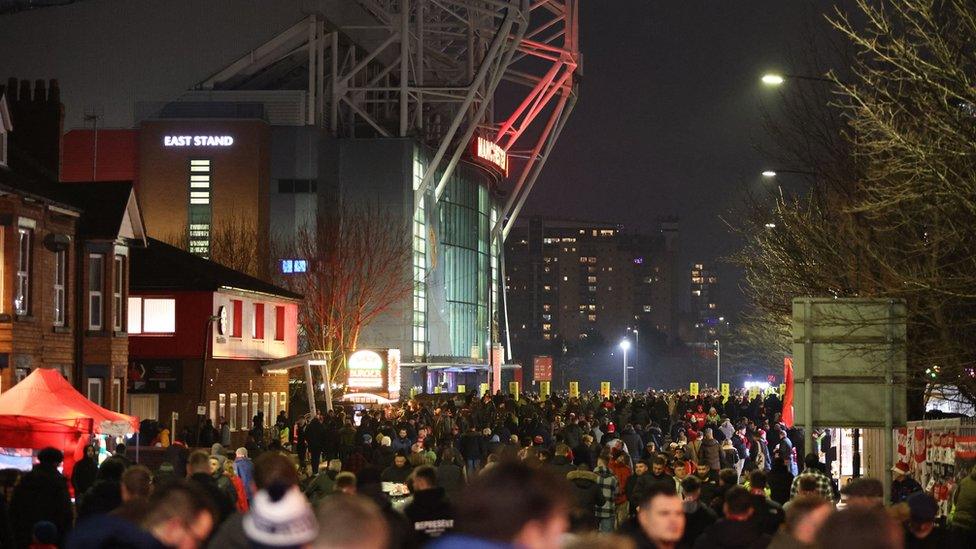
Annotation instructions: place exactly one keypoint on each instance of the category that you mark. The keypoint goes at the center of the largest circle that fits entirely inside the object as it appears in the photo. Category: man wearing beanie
(42, 494)
(280, 517)
(921, 531)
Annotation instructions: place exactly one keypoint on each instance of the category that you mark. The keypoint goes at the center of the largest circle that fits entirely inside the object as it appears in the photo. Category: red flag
(788, 396)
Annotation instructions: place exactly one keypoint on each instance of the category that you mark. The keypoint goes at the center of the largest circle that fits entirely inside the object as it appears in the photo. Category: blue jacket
(460, 541)
(244, 468)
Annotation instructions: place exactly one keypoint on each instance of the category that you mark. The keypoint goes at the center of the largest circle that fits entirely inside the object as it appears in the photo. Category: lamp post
(624, 346)
(636, 354)
(774, 79)
(718, 364)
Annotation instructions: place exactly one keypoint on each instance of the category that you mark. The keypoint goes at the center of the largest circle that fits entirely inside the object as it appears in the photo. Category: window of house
(118, 279)
(279, 323)
(266, 408)
(254, 409)
(237, 318)
(232, 415)
(94, 390)
(134, 325)
(244, 412)
(22, 299)
(158, 316)
(294, 266)
(96, 280)
(60, 277)
(117, 394)
(221, 408)
(257, 321)
(283, 401)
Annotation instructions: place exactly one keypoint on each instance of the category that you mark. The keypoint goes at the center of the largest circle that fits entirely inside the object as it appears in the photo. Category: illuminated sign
(198, 140)
(491, 153)
(365, 370)
(393, 371)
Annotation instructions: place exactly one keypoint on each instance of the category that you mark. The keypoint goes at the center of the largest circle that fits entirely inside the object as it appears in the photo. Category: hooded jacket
(430, 514)
(588, 497)
(710, 452)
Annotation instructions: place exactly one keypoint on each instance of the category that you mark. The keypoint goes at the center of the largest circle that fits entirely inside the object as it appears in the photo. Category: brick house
(199, 334)
(63, 285)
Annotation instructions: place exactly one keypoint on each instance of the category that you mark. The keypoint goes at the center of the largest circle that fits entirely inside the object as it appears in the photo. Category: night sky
(668, 120)
(669, 117)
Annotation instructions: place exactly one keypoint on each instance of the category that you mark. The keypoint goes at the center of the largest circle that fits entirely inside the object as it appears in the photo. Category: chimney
(37, 119)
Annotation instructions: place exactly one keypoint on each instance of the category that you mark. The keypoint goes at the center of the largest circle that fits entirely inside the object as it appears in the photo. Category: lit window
(96, 278)
(60, 277)
(591, 279)
(592, 307)
(647, 308)
(546, 307)
(565, 278)
(158, 315)
(293, 266)
(22, 299)
(592, 288)
(547, 336)
(546, 327)
(134, 325)
(232, 415)
(199, 209)
(591, 318)
(547, 288)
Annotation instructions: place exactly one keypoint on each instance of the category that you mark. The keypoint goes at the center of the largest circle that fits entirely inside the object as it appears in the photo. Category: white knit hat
(280, 517)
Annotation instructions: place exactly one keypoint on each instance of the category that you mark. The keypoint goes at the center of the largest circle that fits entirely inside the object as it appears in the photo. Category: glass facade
(200, 211)
(419, 264)
(464, 223)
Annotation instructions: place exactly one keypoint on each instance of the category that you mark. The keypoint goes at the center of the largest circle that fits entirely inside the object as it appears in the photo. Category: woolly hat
(280, 517)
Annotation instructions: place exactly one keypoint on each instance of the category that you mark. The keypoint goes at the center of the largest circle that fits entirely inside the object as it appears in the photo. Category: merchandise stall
(938, 453)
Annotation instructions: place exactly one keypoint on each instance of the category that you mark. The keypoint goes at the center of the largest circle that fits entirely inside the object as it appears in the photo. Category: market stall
(45, 410)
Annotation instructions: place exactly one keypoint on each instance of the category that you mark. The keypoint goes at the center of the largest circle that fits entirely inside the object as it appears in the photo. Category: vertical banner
(437, 389)
(753, 393)
(413, 391)
(544, 390)
(497, 357)
(605, 389)
(513, 389)
(725, 392)
(484, 389)
(574, 389)
(693, 388)
(462, 388)
(787, 389)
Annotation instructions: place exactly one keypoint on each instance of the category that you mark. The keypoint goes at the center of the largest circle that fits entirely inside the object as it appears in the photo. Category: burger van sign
(366, 370)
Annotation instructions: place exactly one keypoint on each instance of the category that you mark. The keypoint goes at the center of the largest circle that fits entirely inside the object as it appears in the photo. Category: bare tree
(234, 243)
(359, 268)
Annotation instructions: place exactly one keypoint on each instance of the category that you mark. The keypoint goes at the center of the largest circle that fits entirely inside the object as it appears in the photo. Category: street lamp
(773, 173)
(624, 346)
(772, 79)
(718, 364)
(636, 353)
(769, 173)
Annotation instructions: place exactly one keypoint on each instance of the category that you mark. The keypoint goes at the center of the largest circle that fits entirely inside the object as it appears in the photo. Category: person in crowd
(921, 529)
(806, 487)
(225, 483)
(430, 514)
(201, 473)
(660, 519)
(241, 503)
(736, 529)
(345, 483)
(399, 471)
(510, 505)
(768, 514)
(270, 468)
(710, 452)
(620, 466)
(560, 463)
(860, 527)
(351, 522)
(106, 493)
(698, 516)
(813, 468)
(178, 514)
(85, 470)
(589, 497)
(450, 474)
(323, 484)
(803, 520)
(779, 480)
(609, 489)
(315, 436)
(41, 495)
(244, 469)
(177, 455)
(863, 492)
(962, 530)
(136, 484)
(280, 517)
(902, 483)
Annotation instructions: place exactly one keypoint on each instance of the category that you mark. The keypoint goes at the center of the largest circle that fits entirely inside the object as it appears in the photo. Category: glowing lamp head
(772, 79)
(769, 173)
(625, 344)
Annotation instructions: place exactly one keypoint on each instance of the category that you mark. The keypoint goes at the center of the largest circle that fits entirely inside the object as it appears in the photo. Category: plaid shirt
(609, 487)
(824, 487)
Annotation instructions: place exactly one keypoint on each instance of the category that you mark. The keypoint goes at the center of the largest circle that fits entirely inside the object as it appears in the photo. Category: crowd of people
(640, 470)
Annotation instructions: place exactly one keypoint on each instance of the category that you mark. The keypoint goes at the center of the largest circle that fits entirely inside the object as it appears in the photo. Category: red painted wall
(192, 311)
(118, 156)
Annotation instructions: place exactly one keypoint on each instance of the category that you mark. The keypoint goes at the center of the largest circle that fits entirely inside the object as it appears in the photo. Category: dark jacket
(83, 475)
(177, 454)
(451, 478)
(430, 515)
(638, 486)
(224, 505)
(779, 480)
(588, 497)
(697, 521)
(768, 514)
(42, 494)
(110, 531)
(634, 442)
(561, 466)
(633, 531)
(710, 452)
(732, 534)
(103, 497)
(472, 445)
(396, 474)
